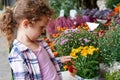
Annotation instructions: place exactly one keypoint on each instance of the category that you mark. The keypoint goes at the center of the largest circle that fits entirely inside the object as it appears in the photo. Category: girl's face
(34, 31)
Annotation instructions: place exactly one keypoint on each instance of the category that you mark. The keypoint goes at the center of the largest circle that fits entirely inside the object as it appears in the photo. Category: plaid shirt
(24, 62)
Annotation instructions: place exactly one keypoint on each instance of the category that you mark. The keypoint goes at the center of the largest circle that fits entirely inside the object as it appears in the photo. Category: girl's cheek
(36, 36)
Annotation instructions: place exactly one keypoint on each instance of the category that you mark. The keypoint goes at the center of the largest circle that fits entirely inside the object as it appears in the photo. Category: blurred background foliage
(67, 5)
(57, 5)
(112, 3)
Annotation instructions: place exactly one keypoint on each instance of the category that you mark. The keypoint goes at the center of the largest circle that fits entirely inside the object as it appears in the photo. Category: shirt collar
(19, 45)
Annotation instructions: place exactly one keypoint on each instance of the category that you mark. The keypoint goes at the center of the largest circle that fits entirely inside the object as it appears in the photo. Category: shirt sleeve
(59, 61)
(17, 63)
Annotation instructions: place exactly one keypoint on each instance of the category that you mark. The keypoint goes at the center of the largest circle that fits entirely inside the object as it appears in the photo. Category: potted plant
(82, 46)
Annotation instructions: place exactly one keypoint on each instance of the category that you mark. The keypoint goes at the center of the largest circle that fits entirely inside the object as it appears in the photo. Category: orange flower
(87, 28)
(55, 53)
(64, 28)
(46, 39)
(101, 31)
(83, 24)
(110, 15)
(59, 28)
(65, 67)
(117, 9)
(56, 35)
(51, 45)
(79, 27)
(73, 27)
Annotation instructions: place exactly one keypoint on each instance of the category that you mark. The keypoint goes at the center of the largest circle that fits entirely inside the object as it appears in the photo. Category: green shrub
(109, 46)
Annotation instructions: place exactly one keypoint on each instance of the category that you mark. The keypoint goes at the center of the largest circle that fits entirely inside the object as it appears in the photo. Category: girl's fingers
(73, 63)
(68, 57)
(65, 59)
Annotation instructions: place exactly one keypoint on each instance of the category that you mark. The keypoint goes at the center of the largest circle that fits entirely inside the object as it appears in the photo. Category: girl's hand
(72, 68)
(65, 59)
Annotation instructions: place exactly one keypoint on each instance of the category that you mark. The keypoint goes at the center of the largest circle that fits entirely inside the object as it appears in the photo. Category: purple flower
(74, 30)
(69, 34)
(63, 41)
(86, 40)
(117, 20)
(66, 31)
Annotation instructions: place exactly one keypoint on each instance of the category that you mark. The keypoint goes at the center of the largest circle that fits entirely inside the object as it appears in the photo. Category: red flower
(101, 33)
(70, 68)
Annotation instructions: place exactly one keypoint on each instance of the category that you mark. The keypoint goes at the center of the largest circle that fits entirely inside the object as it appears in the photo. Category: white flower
(114, 67)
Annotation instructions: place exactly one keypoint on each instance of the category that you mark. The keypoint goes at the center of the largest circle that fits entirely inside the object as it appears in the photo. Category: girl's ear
(25, 22)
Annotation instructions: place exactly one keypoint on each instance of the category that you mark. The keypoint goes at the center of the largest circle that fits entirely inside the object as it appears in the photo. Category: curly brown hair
(32, 10)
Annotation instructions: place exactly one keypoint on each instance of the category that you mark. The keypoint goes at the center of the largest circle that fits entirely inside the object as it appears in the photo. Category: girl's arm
(59, 61)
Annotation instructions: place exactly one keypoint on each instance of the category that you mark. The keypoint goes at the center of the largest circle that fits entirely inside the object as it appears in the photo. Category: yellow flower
(91, 47)
(86, 47)
(91, 51)
(84, 53)
(73, 54)
(75, 50)
(96, 49)
(80, 48)
(65, 67)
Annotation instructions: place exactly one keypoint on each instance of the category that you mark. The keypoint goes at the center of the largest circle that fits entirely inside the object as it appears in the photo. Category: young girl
(30, 59)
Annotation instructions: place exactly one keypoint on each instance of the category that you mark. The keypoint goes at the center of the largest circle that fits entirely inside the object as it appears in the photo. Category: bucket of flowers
(82, 46)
